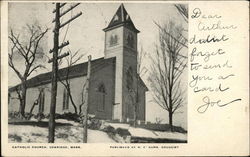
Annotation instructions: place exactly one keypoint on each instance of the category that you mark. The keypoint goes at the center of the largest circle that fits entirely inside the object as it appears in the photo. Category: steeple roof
(121, 18)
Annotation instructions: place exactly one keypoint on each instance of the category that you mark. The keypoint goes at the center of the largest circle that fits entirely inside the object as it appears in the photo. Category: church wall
(33, 93)
(118, 53)
(129, 103)
(31, 96)
(130, 60)
(116, 50)
(117, 35)
(105, 76)
(142, 102)
(118, 87)
(76, 87)
(131, 44)
(13, 104)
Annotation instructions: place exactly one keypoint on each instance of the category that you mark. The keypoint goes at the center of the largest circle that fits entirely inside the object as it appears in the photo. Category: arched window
(130, 40)
(9, 96)
(113, 39)
(65, 99)
(102, 93)
(130, 79)
(116, 18)
(41, 100)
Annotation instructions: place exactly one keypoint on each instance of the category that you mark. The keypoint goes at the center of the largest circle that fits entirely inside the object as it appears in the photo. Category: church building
(113, 79)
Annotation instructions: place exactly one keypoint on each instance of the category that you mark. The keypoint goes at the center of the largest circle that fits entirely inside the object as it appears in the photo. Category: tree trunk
(71, 100)
(23, 99)
(170, 116)
(85, 121)
(135, 114)
(32, 108)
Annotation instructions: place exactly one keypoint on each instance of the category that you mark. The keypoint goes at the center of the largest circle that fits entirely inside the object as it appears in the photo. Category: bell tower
(121, 42)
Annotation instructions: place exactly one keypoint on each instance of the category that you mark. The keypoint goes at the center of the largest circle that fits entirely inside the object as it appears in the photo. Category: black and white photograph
(97, 72)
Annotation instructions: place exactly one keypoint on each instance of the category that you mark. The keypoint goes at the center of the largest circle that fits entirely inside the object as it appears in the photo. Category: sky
(86, 35)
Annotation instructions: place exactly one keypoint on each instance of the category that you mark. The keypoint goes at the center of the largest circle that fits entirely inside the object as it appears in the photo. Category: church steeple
(121, 18)
(121, 43)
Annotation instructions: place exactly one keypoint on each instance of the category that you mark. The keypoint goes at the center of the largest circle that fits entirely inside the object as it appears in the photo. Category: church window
(65, 99)
(127, 17)
(9, 96)
(113, 40)
(116, 18)
(130, 78)
(102, 93)
(130, 40)
(41, 99)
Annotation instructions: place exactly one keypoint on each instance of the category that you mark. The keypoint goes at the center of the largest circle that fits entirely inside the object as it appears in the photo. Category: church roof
(121, 18)
(75, 71)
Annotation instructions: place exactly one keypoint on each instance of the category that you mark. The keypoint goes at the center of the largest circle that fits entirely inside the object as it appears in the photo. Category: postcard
(124, 78)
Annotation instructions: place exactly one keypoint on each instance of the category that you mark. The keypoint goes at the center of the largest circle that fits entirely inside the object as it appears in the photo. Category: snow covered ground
(140, 132)
(63, 134)
(72, 132)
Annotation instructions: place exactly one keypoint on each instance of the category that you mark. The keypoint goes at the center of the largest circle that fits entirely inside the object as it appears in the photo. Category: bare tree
(27, 49)
(65, 80)
(166, 69)
(134, 91)
(183, 10)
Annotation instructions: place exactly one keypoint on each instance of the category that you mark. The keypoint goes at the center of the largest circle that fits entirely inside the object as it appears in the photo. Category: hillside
(71, 132)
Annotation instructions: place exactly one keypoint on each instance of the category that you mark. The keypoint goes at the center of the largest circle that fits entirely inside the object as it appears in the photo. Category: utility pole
(54, 61)
(54, 76)
(85, 122)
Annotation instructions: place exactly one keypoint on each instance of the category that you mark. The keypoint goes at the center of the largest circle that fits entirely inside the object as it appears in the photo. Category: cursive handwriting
(208, 39)
(225, 77)
(206, 55)
(207, 103)
(220, 65)
(210, 65)
(197, 13)
(214, 26)
(210, 89)
(198, 66)
(197, 78)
